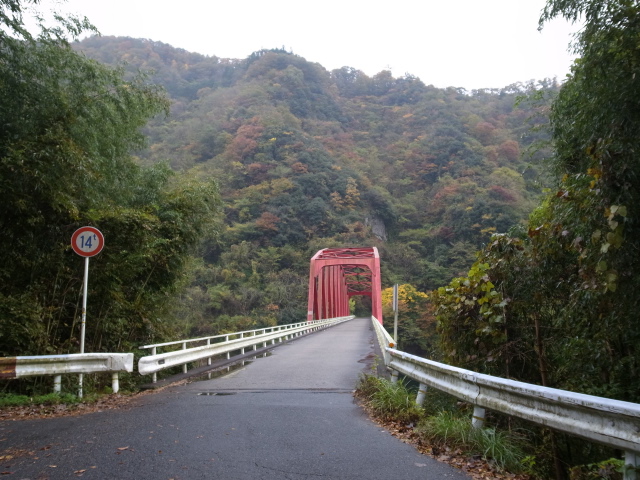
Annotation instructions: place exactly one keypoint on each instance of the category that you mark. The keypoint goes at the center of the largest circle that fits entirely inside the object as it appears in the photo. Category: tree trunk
(542, 364)
(560, 473)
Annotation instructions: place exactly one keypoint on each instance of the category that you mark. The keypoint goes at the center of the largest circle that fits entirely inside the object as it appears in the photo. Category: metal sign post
(395, 315)
(86, 242)
(85, 285)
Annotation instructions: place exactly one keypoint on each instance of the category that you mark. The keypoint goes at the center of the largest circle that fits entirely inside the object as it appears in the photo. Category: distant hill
(308, 158)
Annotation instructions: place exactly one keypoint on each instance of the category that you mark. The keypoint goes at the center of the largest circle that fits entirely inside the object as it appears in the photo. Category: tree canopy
(69, 126)
(557, 302)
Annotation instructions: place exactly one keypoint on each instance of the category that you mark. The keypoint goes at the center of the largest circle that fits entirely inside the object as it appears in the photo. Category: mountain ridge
(307, 157)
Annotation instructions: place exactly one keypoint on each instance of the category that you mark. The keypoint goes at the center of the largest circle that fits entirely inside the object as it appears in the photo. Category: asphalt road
(290, 416)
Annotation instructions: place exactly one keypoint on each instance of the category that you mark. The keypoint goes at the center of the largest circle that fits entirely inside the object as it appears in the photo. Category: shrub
(389, 401)
(502, 448)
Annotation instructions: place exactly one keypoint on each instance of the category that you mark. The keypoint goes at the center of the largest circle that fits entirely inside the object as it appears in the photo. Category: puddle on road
(221, 372)
(369, 359)
(312, 391)
(216, 394)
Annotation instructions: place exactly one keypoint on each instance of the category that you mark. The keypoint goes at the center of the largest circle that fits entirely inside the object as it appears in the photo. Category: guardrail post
(57, 384)
(242, 349)
(115, 383)
(394, 376)
(185, 367)
(422, 393)
(209, 359)
(477, 421)
(631, 464)
(155, 375)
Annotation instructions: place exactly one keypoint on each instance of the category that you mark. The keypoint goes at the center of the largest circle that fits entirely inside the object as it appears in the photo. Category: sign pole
(84, 318)
(84, 303)
(86, 242)
(395, 315)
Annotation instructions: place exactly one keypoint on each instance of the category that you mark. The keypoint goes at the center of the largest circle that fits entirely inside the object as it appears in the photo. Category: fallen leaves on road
(13, 453)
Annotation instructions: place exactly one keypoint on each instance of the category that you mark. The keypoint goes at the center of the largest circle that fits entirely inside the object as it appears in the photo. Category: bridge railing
(610, 422)
(225, 344)
(57, 365)
(384, 339)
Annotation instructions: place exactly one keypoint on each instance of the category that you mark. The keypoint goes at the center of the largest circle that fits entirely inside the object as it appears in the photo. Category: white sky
(461, 43)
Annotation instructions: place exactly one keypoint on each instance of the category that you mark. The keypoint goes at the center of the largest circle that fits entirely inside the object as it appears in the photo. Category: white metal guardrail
(227, 343)
(27, 366)
(610, 422)
(384, 339)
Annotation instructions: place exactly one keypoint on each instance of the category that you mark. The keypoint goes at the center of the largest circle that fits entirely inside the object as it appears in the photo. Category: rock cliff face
(377, 227)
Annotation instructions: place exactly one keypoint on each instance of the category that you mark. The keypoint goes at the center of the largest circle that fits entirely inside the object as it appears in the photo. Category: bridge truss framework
(338, 274)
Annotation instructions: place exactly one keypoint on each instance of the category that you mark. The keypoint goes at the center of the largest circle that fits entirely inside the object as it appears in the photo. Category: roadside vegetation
(441, 427)
(23, 407)
(13, 400)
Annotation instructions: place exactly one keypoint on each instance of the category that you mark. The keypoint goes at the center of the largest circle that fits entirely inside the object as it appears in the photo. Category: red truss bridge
(336, 275)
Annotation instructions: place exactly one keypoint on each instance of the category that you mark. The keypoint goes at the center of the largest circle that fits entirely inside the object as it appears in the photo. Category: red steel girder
(365, 252)
(337, 274)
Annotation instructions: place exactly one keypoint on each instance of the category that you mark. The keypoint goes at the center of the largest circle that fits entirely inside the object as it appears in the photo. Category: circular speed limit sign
(87, 241)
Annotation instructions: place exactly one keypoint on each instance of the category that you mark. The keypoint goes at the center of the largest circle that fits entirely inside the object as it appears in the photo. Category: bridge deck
(287, 416)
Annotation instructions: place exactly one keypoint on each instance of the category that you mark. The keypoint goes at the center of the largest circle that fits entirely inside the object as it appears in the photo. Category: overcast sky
(462, 43)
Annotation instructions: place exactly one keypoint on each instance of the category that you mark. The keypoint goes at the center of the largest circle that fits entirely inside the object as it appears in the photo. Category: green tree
(68, 127)
(557, 303)
(573, 280)
(416, 323)
(594, 214)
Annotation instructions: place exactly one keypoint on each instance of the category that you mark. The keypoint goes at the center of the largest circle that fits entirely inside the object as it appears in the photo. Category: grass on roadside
(13, 400)
(395, 402)
(389, 401)
(503, 448)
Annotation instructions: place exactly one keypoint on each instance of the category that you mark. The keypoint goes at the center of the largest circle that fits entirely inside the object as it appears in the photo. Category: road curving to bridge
(290, 415)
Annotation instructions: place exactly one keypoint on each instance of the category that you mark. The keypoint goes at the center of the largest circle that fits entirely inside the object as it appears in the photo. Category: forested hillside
(307, 159)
